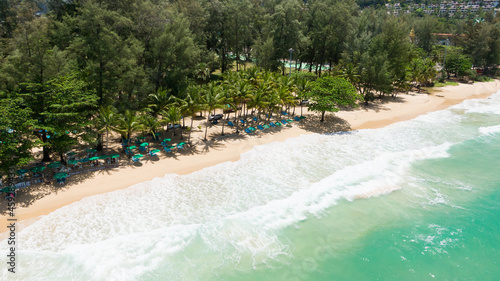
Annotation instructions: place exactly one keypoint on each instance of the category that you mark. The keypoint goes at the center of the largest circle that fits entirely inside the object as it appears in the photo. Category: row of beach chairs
(250, 130)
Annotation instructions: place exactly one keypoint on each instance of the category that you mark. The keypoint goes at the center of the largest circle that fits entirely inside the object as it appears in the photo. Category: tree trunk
(322, 116)
(206, 128)
(107, 141)
(61, 156)
(46, 150)
(190, 130)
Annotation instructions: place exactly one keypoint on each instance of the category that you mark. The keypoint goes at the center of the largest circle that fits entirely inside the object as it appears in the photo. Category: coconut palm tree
(128, 123)
(150, 123)
(302, 86)
(191, 104)
(212, 99)
(106, 120)
(160, 101)
(173, 115)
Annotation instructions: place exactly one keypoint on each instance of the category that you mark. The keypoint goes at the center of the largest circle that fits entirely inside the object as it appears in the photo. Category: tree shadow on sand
(377, 105)
(331, 124)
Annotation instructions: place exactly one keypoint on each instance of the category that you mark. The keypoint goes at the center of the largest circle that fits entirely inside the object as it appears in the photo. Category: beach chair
(152, 154)
(230, 123)
(284, 113)
(296, 118)
(248, 131)
(135, 160)
(260, 127)
(272, 124)
(181, 145)
(167, 149)
(242, 121)
(142, 148)
(284, 122)
(278, 124)
(254, 119)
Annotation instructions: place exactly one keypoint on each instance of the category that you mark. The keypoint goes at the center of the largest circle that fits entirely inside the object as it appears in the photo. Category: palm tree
(128, 123)
(212, 99)
(258, 101)
(302, 86)
(159, 101)
(106, 120)
(191, 104)
(150, 123)
(225, 100)
(173, 115)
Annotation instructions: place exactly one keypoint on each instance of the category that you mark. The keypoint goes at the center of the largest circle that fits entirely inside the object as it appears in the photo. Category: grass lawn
(450, 83)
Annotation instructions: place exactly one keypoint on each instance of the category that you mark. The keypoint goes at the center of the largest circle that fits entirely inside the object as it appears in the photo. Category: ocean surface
(417, 200)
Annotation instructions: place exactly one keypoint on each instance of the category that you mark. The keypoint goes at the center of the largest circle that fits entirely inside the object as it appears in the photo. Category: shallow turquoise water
(417, 200)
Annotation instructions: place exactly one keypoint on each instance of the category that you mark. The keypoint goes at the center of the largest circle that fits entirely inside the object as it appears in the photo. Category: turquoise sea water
(417, 200)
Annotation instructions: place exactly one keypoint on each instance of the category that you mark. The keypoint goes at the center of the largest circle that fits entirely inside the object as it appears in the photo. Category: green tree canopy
(329, 93)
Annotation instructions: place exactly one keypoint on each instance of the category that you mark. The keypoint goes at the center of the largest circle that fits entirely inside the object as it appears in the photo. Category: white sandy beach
(229, 148)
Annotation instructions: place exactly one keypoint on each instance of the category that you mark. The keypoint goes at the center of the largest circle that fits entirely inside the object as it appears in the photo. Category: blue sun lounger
(254, 119)
(248, 131)
(284, 122)
(272, 124)
(260, 127)
(296, 118)
(230, 123)
(242, 121)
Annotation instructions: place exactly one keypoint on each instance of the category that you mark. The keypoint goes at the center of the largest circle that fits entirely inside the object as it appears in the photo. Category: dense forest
(72, 71)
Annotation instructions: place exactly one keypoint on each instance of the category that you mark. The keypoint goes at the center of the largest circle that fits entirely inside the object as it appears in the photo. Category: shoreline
(229, 148)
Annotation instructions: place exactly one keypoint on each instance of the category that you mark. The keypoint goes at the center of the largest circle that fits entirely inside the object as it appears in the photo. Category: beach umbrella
(132, 147)
(93, 158)
(251, 128)
(54, 165)
(8, 189)
(289, 120)
(91, 150)
(266, 126)
(115, 156)
(141, 138)
(83, 160)
(302, 117)
(171, 146)
(37, 169)
(22, 171)
(155, 151)
(60, 175)
(138, 156)
(71, 153)
(167, 140)
(103, 156)
(144, 144)
(72, 162)
(278, 124)
(182, 143)
(157, 134)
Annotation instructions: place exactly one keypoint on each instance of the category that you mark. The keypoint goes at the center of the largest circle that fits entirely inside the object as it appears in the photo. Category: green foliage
(15, 130)
(329, 93)
(456, 62)
(446, 84)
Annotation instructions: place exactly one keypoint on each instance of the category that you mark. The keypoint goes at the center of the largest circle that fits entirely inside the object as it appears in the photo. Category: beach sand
(220, 149)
